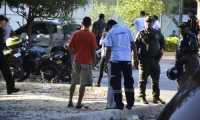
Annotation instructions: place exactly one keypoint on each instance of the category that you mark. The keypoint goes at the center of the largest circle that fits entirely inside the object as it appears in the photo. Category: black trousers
(101, 67)
(124, 67)
(5, 70)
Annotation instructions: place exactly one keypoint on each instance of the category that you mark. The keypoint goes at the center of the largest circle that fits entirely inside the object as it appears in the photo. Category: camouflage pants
(149, 67)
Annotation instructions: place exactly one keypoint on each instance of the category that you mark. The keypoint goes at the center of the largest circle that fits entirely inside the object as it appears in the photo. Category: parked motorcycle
(45, 65)
(66, 66)
(14, 59)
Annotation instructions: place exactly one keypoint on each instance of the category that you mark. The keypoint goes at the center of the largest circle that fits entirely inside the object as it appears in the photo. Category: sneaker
(143, 100)
(120, 108)
(13, 90)
(128, 106)
(70, 105)
(95, 68)
(97, 85)
(158, 100)
(82, 107)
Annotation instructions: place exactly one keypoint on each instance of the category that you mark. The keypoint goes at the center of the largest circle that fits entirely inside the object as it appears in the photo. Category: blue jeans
(124, 67)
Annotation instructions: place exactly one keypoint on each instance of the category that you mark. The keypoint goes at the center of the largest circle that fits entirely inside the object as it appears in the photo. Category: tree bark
(198, 9)
(29, 25)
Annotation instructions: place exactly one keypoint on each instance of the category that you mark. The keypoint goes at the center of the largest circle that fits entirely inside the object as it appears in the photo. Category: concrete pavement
(97, 100)
(168, 88)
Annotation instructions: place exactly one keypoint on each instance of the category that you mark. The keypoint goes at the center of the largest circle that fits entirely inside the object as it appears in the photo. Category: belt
(150, 57)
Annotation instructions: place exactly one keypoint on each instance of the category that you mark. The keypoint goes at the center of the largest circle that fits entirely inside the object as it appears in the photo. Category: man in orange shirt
(83, 46)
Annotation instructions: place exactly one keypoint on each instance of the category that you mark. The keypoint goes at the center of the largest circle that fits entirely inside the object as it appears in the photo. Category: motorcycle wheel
(56, 71)
(26, 71)
(17, 71)
(66, 73)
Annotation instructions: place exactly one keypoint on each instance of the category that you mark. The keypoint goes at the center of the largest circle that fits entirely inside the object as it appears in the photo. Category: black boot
(13, 90)
(143, 100)
(158, 100)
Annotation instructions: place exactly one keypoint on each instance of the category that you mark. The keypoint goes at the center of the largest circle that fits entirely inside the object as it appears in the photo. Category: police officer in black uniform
(10, 83)
(186, 56)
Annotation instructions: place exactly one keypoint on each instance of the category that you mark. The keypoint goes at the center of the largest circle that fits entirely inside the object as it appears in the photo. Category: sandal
(82, 106)
(97, 85)
(70, 105)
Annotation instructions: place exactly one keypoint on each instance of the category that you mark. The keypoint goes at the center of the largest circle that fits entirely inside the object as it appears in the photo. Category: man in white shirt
(120, 43)
(140, 22)
(8, 31)
(156, 24)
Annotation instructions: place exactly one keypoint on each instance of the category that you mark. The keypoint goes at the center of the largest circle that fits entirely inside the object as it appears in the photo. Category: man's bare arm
(71, 50)
(93, 58)
(135, 60)
(108, 54)
(12, 33)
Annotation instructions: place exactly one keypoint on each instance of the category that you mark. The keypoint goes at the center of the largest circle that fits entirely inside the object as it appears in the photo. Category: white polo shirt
(140, 24)
(120, 38)
(156, 25)
(8, 30)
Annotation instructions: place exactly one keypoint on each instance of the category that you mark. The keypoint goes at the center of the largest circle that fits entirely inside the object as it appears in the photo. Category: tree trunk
(29, 25)
(198, 9)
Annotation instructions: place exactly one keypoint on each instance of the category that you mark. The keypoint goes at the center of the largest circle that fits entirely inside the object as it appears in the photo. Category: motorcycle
(45, 65)
(59, 54)
(66, 66)
(15, 61)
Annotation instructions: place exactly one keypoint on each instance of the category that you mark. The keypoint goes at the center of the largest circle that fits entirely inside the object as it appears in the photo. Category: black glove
(159, 55)
(184, 59)
(179, 65)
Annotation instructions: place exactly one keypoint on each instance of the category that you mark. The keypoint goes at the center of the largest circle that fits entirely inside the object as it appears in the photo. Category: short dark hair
(101, 16)
(193, 12)
(111, 22)
(155, 17)
(87, 21)
(142, 13)
(106, 29)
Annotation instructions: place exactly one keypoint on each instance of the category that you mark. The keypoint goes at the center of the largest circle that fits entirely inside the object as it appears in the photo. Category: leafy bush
(171, 43)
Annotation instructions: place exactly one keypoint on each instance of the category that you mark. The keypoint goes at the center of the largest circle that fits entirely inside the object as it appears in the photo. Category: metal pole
(5, 8)
(180, 10)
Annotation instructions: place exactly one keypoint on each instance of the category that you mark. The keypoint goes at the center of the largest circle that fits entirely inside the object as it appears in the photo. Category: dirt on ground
(36, 102)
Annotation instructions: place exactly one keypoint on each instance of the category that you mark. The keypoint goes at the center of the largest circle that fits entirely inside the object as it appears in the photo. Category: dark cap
(2, 18)
(183, 25)
(78, 27)
(149, 19)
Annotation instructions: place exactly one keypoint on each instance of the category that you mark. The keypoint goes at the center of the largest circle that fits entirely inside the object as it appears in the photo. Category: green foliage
(105, 7)
(43, 9)
(171, 6)
(129, 10)
(171, 44)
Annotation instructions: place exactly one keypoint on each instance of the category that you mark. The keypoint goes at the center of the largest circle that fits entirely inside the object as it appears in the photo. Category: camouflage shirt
(149, 42)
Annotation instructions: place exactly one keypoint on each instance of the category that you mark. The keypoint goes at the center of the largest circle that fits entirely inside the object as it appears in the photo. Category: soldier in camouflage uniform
(150, 44)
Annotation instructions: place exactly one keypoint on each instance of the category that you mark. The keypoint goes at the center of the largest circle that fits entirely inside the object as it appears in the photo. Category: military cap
(183, 25)
(149, 19)
(2, 17)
